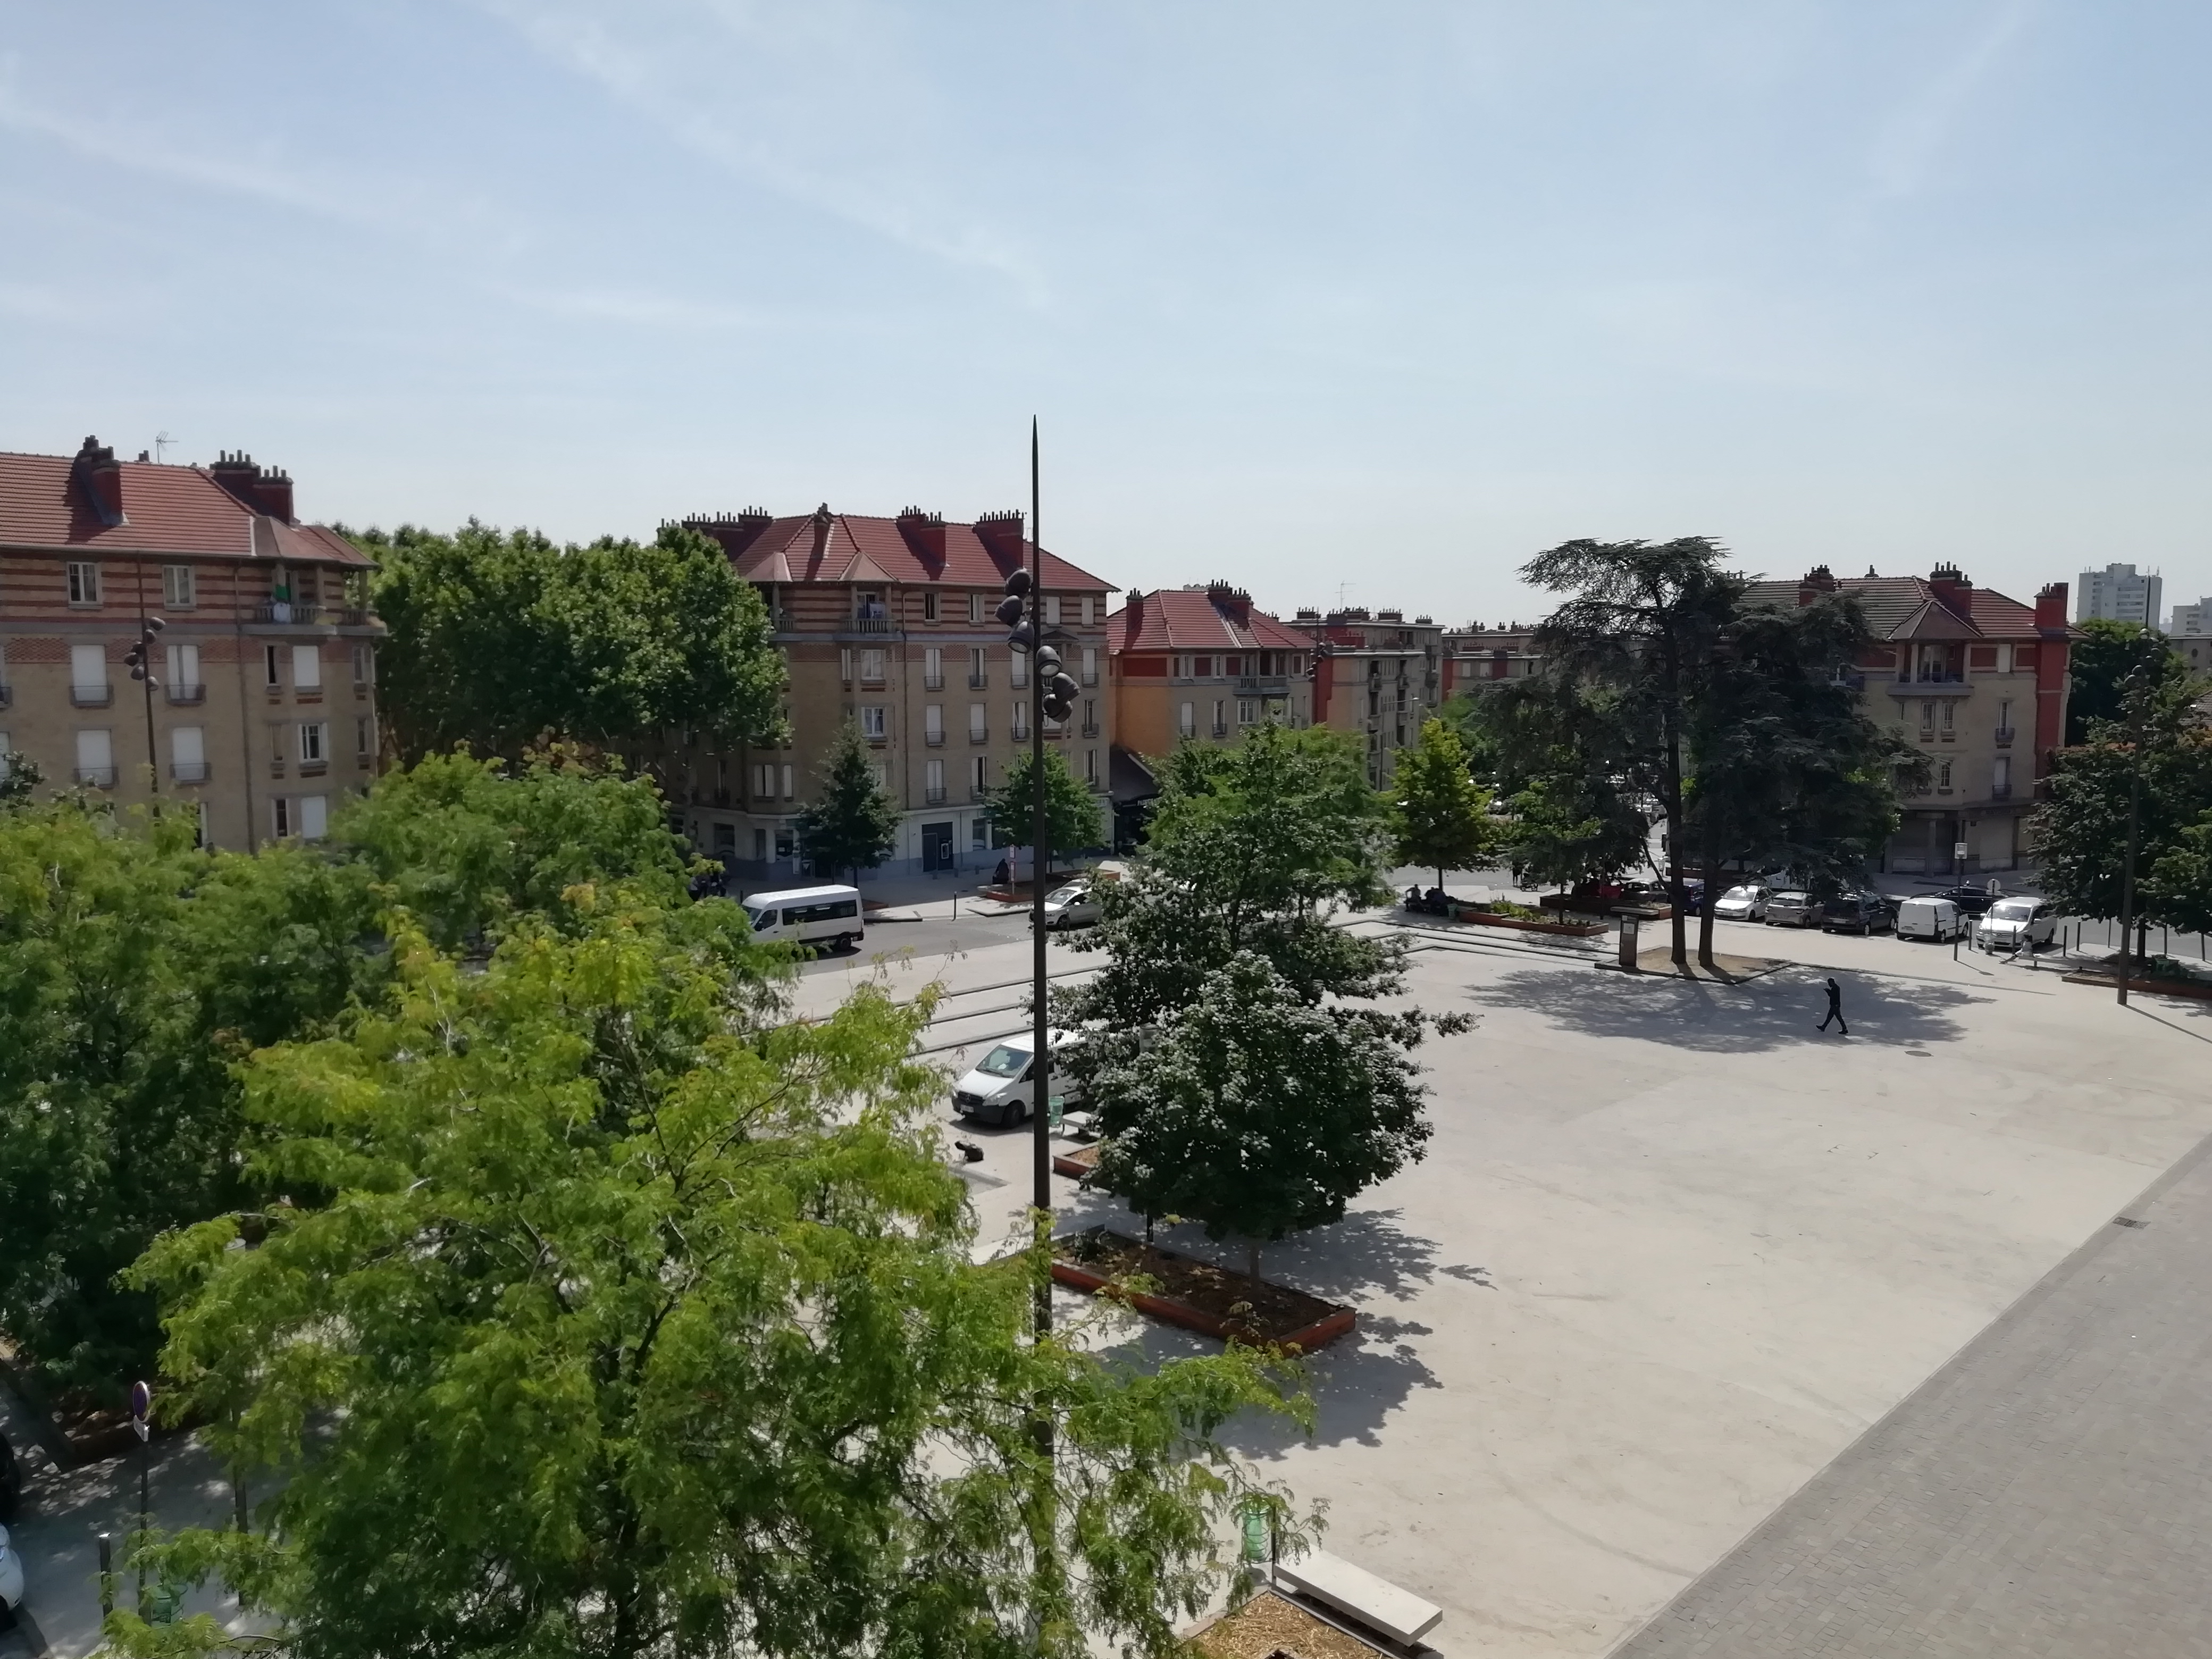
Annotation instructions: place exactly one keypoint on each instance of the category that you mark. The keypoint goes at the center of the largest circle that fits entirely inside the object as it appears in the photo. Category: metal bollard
(107, 1572)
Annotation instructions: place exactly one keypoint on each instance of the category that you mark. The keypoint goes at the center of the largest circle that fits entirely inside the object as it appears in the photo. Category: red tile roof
(166, 509)
(1908, 607)
(1198, 619)
(852, 547)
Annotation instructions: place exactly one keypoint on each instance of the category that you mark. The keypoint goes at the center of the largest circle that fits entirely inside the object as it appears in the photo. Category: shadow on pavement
(1766, 1013)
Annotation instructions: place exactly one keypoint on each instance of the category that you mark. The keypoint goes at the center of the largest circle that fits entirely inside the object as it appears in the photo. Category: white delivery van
(997, 1088)
(808, 915)
(1930, 918)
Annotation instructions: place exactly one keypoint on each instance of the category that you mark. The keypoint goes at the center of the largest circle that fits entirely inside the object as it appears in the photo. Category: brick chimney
(98, 478)
(1001, 536)
(925, 534)
(735, 532)
(258, 489)
(1815, 585)
(823, 518)
(2051, 608)
(1953, 591)
(1230, 599)
(1135, 604)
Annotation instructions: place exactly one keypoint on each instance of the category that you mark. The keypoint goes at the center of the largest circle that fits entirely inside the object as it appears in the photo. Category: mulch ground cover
(1259, 1313)
(1269, 1627)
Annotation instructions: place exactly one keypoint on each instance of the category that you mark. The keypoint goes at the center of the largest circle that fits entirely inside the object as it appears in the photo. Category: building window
(307, 668)
(1928, 717)
(364, 664)
(760, 847)
(272, 666)
(933, 669)
(929, 604)
(1091, 717)
(979, 774)
(1187, 719)
(95, 759)
(2004, 719)
(975, 609)
(1087, 610)
(7, 748)
(787, 793)
(1221, 717)
(188, 754)
(1021, 720)
(933, 779)
(1052, 611)
(979, 723)
(184, 681)
(1247, 712)
(845, 663)
(177, 587)
(871, 722)
(1179, 667)
(2001, 776)
(977, 679)
(281, 816)
(978, 834)
(309, 815)
(313, 737)
(1943, 778)
(869, 607)
(1090, 766)
(1950, 709)
(1090, 662)
(88, 673)
(364, 735)
(1021, 672)
(872, 668)
(84, 584)
(933, 722)
(785, 843)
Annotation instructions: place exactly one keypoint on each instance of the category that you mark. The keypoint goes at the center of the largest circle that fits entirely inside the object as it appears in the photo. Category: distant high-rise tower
(2117, 592)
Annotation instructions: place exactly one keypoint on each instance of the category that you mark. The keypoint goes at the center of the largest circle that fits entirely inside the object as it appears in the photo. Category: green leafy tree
(1071, 809)
(498, 640)
(1561, 754)
(1640, 635)
(1443, 817)
(19, 777)
(2160, 754)
(1785, 767)
(1259, 1114)
(629, 1323)
(851, 824)
(2099, 665)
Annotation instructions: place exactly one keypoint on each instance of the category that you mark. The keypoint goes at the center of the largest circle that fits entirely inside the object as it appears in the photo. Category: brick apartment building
(266, 713)
(1977, 683)
(1378, 678)
(1477, 656)
(887, 622)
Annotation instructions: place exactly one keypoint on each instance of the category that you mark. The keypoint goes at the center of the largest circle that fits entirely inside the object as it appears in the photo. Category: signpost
(142, 1406)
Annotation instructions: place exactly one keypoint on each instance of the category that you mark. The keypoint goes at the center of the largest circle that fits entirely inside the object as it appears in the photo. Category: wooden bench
(1358, 1594)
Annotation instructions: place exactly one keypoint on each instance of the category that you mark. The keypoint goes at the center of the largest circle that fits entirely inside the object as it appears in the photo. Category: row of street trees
(555, 1289)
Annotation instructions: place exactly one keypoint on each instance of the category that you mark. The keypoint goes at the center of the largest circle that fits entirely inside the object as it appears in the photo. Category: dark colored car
(1970, 901)
(1857, 913)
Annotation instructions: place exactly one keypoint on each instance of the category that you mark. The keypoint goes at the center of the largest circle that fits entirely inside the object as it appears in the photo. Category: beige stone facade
(1378, 678)
(263, 714)
(889, 622)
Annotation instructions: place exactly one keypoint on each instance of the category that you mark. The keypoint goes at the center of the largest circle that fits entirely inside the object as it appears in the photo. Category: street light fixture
(141, 658)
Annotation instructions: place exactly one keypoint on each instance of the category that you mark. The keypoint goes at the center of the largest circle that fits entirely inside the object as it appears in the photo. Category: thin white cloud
(815, 103)
(1909, 142)
(641, 309)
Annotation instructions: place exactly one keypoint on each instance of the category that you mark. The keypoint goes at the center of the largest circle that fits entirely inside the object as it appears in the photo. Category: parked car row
(1996, 921)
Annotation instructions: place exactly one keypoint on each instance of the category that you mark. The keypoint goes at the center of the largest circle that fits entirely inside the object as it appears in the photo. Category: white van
(2012, 923)
(997, 1088)
(808, 915)
(1929, 917)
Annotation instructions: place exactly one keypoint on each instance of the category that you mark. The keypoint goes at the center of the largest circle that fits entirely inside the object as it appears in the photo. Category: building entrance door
(937, 846)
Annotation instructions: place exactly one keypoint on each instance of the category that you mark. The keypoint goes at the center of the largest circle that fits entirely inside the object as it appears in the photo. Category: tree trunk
(1712, 873)
(2143, 940)
(238, 1507)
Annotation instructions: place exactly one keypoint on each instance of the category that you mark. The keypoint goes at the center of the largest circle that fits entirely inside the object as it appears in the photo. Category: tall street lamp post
(2131, 690)
(141, 658)
(142, 1405)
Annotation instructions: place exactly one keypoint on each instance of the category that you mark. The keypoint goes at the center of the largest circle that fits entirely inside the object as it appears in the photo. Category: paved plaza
(1674, 1253)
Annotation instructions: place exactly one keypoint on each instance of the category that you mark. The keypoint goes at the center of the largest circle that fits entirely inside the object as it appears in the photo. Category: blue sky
(1369, 302)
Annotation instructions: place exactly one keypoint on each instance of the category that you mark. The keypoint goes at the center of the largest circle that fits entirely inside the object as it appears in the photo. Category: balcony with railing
(935, 795)
(2001, 791)
(1931, 682)
(979, 734)
(1263, 685)
(872, 622)
(2004, 736)
(1090, 676)
(189, 771)
(935, 738)
(1090, 728)
(181, 692)
(1221, 728)
(932, 681)
(978, 682)
(1021, 731)
(92, 696)
(283, 613)
(96, 777)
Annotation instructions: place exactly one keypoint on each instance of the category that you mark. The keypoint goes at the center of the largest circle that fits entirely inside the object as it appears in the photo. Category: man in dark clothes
(1836, 1009)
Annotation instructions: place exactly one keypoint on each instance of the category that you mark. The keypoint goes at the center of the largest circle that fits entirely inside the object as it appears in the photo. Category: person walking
(1836, 1010)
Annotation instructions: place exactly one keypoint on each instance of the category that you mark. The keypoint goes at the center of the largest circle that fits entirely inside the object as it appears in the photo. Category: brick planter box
(2165, 988)
(1078, 1165)
(1292, 1319)
(1491, 918)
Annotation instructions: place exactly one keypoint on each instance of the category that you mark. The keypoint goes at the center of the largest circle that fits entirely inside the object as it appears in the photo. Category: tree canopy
(851, 824)
(501, 640)
(2098, 667)
(1071, 809)
(1443, 817)
(626, 1317)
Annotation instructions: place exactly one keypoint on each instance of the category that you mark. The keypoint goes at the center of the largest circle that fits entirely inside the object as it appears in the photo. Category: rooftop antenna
(161, 441)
